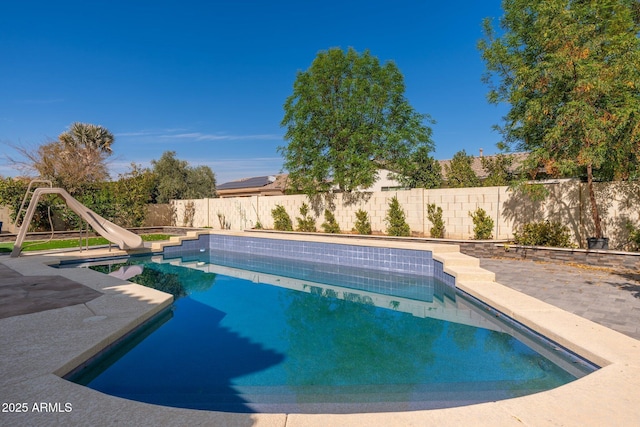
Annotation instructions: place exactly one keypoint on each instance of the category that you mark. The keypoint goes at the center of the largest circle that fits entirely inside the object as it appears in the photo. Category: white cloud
(195, 136)
(129, 134)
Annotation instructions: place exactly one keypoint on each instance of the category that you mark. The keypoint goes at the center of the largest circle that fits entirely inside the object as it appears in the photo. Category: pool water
(255, 341)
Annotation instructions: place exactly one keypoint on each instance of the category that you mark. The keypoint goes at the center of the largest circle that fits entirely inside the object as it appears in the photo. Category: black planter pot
(595, 243)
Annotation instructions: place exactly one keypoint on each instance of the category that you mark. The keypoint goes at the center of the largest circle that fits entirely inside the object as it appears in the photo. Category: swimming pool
(264, 334)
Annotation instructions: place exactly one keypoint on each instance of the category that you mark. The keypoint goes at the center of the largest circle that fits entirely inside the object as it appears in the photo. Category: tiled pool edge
(449, 262)
(410, 261)
(604, 397)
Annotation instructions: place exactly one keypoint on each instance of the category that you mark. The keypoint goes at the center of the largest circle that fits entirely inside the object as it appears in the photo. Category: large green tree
(177, 180)
(570, 70)
(346, 118)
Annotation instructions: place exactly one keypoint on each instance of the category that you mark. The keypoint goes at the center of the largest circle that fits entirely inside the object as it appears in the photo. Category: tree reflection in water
(371, 346)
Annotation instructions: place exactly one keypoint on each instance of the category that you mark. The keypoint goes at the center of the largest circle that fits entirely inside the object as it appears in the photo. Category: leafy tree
(459, 171)
(422, 171)
(347, 117)
(571, 72)
(171, 174)
(132, 193)
(201, 182)
(330, 225)
(177, 180)
(307, 222)
(281, 219)
(363, 224)
(395, 219)
(498, 169)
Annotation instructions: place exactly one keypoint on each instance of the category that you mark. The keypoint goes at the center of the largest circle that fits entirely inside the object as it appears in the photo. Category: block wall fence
(567, 202)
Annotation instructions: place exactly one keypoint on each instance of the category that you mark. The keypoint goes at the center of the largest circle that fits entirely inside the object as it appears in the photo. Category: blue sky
(208, 79)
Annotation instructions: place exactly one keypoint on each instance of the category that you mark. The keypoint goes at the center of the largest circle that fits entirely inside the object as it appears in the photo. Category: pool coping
(39, 347)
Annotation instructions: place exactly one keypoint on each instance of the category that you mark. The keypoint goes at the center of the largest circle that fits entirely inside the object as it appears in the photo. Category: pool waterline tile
(376, 258)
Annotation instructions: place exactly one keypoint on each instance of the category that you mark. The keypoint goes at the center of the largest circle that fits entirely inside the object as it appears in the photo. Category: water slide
(114, 233)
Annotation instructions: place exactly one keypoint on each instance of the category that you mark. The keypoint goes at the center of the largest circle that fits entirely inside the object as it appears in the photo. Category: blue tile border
(409, 261)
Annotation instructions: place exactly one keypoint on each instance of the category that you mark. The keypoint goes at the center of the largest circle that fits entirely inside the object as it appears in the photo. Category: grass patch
(43, 245)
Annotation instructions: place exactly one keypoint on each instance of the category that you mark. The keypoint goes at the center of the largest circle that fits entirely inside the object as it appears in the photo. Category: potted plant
(597, 242)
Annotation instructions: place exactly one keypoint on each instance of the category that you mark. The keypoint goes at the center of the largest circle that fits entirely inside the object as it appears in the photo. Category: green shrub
(307, 222)
(281, 219)
(434, 214)
(482, 224)
(330, 225)
(543, 233)
(362, 225)
(395, 219)
(634, 236)
(258, 225)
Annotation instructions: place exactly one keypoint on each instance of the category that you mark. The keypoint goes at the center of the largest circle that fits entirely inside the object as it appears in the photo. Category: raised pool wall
(408, 261)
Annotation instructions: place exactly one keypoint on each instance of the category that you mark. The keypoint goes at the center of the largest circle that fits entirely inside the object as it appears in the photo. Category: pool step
(456, 259)
(470, 273)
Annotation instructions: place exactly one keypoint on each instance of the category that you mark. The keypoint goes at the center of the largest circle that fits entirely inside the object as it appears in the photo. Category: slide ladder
(27, 196)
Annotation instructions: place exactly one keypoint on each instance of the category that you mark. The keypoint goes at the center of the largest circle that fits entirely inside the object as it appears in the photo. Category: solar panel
(258, 181)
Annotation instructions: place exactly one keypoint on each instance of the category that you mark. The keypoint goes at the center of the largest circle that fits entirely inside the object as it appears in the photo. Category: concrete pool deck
(39, 347)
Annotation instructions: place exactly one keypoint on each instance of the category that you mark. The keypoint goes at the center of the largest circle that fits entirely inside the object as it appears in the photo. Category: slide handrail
(27, 195)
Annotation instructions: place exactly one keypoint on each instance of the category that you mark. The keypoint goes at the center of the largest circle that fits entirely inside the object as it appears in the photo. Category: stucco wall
(244, 212)
(5, 218)
(158, 215)
(568, 202)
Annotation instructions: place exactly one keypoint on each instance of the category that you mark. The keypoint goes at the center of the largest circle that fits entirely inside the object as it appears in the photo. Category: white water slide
(114, 233)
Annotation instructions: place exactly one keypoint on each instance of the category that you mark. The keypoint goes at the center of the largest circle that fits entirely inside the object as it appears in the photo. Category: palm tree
(85, 135)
